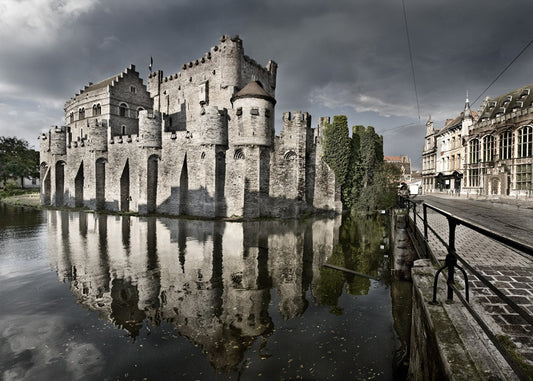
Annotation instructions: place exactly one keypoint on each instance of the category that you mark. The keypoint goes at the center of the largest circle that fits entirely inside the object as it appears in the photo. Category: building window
(122, 109)
(139, 110)
(97, 110)
(71, 117)
(81, 113)
(239, 111)
(473, 177)
(123, 130)
(239, 154)
(474, 151)
(488, 148)
(132, 89)
(525, 141)
(506, 146)
(523, 176)
(254, 111)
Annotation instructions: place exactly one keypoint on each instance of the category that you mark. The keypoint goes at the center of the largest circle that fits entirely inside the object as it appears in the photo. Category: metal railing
(421, 227)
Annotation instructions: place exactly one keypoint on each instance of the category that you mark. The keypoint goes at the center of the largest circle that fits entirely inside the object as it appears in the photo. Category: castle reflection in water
(211, 279)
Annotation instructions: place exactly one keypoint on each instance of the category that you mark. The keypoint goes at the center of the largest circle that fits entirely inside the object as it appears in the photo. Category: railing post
(451, 259)
(414, 215)
(425, 222)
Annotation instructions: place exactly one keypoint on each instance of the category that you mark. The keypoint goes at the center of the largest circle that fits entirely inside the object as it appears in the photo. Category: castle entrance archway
(60, 183)
(125, 188)
(100, 183)
(184, 187)
(78, 187)
(45, 184)
(151, 183)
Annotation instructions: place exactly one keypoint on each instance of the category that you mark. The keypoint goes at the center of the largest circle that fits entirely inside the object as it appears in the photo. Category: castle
(200, 142)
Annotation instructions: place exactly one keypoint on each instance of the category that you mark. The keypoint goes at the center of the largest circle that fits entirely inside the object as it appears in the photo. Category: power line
(503, 71)
(411, 57)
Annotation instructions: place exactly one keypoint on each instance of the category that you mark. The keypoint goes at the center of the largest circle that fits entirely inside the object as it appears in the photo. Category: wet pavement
(510, 270)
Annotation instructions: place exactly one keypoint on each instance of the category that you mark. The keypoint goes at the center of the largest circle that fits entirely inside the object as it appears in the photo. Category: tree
(17, 159)
(337, 148)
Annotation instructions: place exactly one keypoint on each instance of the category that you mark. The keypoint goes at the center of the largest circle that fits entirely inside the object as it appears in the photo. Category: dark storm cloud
(348, 57)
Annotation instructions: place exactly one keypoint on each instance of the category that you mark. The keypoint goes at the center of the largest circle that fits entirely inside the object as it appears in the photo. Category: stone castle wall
(199, 142)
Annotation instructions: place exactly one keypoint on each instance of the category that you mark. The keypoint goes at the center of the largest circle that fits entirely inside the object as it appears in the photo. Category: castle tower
(58, 140)
(214, 127)
(254, 115)
(150, 129)
(154, 88)
(98, 135)
(230, 63)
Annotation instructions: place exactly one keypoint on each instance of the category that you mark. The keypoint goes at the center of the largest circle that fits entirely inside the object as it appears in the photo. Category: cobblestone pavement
(508, 269)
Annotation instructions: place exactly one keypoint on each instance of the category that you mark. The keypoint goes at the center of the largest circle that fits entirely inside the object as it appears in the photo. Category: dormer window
(507, 100)
(518, 105)
(524, 94)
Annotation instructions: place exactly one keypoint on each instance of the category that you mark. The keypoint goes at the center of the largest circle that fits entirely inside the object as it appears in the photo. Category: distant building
(403, 163)
(484, 153)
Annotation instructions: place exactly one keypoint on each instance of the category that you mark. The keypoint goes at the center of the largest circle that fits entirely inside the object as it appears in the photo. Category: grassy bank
(24, 197)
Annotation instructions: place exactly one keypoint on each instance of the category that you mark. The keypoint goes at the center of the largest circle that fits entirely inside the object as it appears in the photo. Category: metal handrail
(451, 262)
(452, 257)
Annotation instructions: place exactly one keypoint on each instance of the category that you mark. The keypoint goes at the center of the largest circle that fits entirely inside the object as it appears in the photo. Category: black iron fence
(420, 227)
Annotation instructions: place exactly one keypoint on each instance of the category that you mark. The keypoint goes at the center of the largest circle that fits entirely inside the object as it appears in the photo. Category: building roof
(253, 90)
(106, 82)
(521, 98)
(396, 159)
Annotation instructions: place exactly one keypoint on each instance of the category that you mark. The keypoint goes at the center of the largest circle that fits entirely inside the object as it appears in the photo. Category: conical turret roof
(253, 90)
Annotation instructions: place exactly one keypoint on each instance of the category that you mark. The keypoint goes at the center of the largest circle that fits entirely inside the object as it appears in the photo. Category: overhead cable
(411, 57)
(504, 70)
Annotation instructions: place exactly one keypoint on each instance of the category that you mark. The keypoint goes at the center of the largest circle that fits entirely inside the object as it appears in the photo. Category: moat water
(89, 296)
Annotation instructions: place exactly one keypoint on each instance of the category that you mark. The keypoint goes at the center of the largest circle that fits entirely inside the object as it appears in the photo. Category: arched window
(123, 109)
(525, 141)
(94, 110)
(71, 117)
(474, 151)
(239, 154)
(290, 155)
(506, 146)
(81, 113)
(123, 128)
(488, 148)
(139, 109)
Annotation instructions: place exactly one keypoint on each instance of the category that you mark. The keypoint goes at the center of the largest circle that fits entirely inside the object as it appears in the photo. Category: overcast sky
(335, 57)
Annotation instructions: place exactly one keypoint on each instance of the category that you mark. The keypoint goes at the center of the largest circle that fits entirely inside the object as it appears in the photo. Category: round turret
(58, 141)
(149, 129)
(213, 126)
(254, 113)
(231, 51)
(97, 136)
